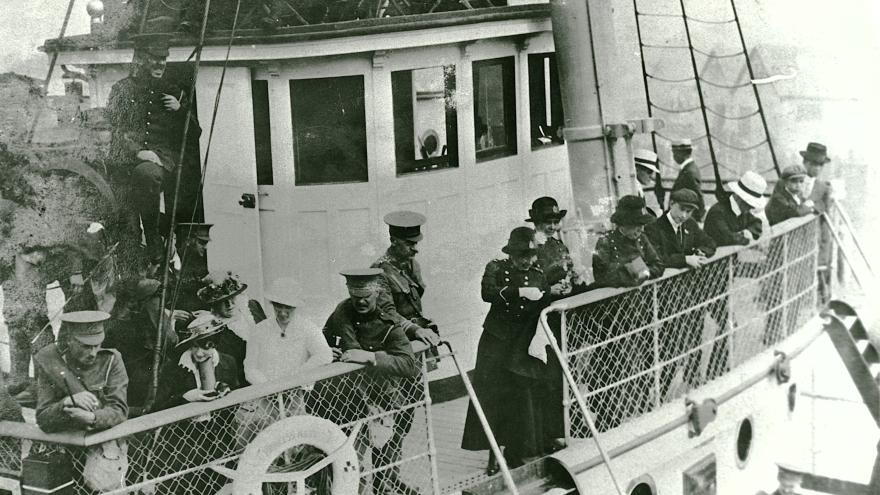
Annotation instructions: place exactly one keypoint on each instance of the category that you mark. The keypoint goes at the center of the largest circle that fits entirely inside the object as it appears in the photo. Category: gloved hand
(531, 293)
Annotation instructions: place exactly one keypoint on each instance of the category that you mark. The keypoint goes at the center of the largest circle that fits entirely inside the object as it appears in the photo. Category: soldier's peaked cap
(361, 281)
(155, 44)
(85, 326)
(405, 225)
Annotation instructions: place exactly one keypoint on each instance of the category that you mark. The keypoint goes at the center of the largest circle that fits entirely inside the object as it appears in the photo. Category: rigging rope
(204, 167)
(713, 55)
(728, 117)
(672, 81)
(726, 86)
(740, 148)
(674, 47)
(675, 110)
(679, 16)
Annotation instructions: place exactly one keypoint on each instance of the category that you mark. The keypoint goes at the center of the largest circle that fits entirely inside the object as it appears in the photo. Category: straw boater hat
(682, 144)
(205, 325)
(87, 327)
(405, 225)
(285, 291)
(521, 241)
(361, 282)
(545, 209)
(220, 286)
(816, 153)
(750, 188)
(646, 159)
(631, 211)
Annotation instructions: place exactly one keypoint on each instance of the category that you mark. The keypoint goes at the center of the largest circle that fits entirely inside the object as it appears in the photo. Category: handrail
(852, 233)
(723, 251)
(185, 411)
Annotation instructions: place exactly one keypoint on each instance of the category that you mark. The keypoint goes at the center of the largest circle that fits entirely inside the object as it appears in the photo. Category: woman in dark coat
(516, 289)
(560, 275)
(220, 293)
(204, 438)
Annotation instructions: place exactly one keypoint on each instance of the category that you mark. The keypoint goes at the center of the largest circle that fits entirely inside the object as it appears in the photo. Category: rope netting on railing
(179, 456)
(633, 350)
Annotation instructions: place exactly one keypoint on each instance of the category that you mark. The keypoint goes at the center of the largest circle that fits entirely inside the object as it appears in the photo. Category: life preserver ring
(282, 435)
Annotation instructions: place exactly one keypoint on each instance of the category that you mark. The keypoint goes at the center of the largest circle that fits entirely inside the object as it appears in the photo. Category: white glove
(199, 395)
(531, 293)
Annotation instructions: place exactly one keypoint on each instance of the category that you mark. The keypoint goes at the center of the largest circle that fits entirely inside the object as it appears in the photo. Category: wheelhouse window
(545, 100)
(494, 108)
(329, 130)
(425, 125)
(262, 131)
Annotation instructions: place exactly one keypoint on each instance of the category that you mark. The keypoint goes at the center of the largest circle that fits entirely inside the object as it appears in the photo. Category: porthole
(792, 397)
(643, 485)
(744, 442)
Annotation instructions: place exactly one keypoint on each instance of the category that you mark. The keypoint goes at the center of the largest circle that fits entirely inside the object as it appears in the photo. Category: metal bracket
(700, 415)
(617, 131)
(589, 133)
(645, 126)
(782, 370)
(248, 200)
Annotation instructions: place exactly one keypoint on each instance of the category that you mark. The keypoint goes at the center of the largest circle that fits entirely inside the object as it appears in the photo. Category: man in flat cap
(148, 114)
(787, 200)
(681, 243)
(360, 331)
(689, 174)
(647, 175)
(402, 276)
(80, 386)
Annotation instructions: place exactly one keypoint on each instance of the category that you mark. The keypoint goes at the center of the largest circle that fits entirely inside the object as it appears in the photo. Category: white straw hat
(285, 291)
(750, 188)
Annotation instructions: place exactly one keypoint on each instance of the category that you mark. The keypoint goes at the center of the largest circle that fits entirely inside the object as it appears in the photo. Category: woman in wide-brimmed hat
(625, 257)
(517, 292)
(221, 292)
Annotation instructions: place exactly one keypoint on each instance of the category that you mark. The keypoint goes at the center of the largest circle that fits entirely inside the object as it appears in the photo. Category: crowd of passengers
(100, 369)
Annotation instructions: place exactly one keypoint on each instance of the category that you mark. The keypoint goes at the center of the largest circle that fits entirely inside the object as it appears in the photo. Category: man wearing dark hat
(403, 276)
(360, 331)
(148, 114)
(505, 375)
(787, 200)
(80, 386)
(820, 193)
(678, 239)
(625, 256)
(192, 248)
(689, 174)
(681, 243)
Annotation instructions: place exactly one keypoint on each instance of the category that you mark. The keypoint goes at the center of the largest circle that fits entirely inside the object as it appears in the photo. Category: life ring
(282, 435)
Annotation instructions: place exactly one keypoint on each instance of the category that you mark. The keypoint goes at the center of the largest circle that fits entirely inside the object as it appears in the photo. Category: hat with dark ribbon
(200, 231)
(520, 242)
(685, 197)
(816, 153)
(405, 225)
(792, 172)
(646, 159)
(219, 286)
(545, 209)
(87, 327)
(750, 188)
(362, 282)
(153, 44)
(205, 325)
(682, 144)
(631, 211)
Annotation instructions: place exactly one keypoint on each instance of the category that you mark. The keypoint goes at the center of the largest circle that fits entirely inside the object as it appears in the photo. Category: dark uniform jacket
(406, 287)
(669, 245)
(782, 206)
(727, 228)
(689, 178)
(509, 314)
(614, 250)
(136, 109)
(106, 379)
(380, 331)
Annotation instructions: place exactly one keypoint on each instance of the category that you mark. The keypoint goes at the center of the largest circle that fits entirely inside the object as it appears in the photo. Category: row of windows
(329, 119)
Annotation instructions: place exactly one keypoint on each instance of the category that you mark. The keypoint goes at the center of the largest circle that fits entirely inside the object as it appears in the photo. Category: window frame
(538, 105)
(508, 75)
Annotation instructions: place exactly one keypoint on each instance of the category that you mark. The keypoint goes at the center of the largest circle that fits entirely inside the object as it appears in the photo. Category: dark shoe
(492, 467)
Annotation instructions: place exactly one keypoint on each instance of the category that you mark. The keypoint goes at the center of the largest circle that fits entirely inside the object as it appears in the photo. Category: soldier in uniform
(505, 375)
(360, 331)
(402, 278)
(689, 173)
(80, 386)
(148, 115)
(192, 248)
